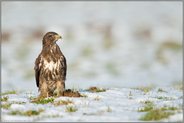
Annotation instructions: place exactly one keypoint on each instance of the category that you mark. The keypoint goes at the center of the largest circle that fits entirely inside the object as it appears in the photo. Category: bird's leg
(60, 88)
(43, 90)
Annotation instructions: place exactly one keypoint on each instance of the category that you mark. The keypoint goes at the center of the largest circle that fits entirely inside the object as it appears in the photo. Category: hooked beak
(58, 37)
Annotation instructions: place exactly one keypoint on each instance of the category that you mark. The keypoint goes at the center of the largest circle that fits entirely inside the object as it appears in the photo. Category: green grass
(63, 102)
(5, 106)
(164, 98)
(44, 100)
(147, 102)
(4, 99)
(172, 108)
(27, 113)
(145, 89)
(148, 106)
(71, 109)
(32, 97)
(17, 102)
(8, 92)
(155, 115)
(96, 89)
(161, 90)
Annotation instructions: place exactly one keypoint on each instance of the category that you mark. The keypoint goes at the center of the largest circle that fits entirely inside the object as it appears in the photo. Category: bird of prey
(50, 67)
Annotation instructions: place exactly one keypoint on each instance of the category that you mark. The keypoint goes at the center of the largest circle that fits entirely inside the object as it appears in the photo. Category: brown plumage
(50, 67)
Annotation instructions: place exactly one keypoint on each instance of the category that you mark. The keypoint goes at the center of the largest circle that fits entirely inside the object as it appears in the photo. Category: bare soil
(70, 93)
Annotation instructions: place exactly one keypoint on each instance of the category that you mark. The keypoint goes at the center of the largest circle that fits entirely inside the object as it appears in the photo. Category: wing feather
(63, 67)
(37, 70)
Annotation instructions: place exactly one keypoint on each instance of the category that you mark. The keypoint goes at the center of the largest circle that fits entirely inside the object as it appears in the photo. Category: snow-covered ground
(115, 104)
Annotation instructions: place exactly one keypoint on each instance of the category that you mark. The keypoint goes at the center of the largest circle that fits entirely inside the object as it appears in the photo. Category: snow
(175, 118)
(114, 104)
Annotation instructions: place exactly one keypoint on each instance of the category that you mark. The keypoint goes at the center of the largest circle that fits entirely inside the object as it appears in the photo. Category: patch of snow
(116, 104)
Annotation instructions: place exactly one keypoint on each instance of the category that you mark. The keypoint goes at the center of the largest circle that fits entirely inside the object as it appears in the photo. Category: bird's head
(51, 38)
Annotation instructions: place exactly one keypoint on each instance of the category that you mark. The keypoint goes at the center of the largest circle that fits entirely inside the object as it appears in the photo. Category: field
(97, 104)
(124, 58)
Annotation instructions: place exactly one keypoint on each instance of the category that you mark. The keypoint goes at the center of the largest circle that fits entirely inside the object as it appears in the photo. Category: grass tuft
(161, 90)
(27, 113)
(156, 114)
(4, 99)
(172, 108)
(164, 98)
(148, 106)
(9, 92)
(44, 100)
(63, 102)
(13, 102)
(71, 108)
(147, 102)
(145, 89)
(5, 106)
(96, 89)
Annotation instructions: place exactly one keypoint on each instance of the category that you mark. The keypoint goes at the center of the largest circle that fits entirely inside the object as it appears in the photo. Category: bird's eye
(50, 35)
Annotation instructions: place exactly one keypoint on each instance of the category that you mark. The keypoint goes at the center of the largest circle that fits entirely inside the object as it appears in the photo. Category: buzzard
(50, 67)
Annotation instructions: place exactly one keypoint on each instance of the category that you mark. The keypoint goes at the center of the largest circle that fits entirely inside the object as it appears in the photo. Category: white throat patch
(51, 65)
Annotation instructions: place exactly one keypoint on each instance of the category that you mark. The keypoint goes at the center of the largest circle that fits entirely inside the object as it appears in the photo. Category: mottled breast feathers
(50, 65)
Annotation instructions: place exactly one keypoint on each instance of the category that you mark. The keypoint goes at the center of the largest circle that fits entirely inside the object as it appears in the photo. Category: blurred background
(106, 44)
